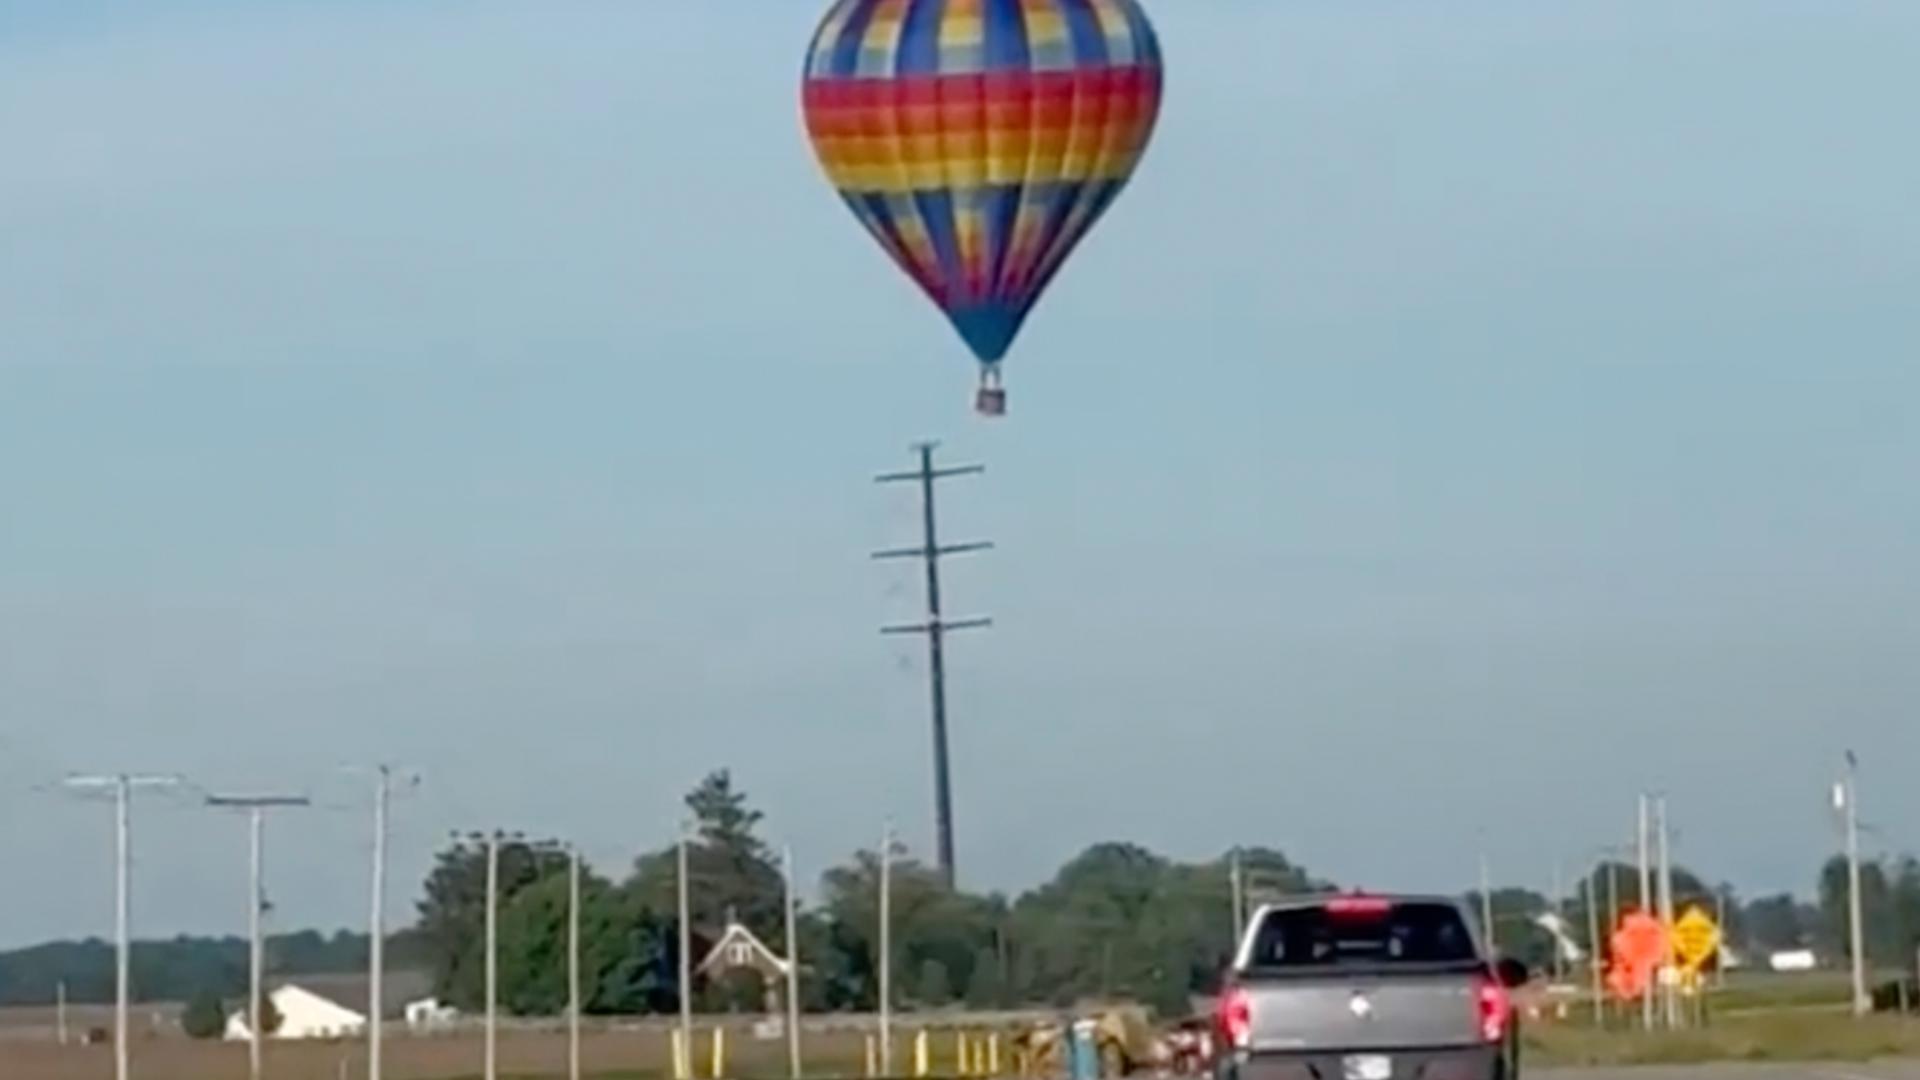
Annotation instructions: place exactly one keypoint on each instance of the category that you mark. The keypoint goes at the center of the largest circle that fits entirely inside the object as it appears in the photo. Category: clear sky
(1474, 413)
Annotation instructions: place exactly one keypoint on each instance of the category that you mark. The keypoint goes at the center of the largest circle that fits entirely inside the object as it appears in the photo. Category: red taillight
(1234, 1014)
(1495, 1010)
(1363, 907)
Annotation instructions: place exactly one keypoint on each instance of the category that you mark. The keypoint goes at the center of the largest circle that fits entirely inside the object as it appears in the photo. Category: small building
(428, 1014)
(332, 1006)
(738, 949)
(303, 1015)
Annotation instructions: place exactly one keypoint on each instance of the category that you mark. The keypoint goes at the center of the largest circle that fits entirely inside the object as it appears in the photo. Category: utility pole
(256, 807)
(1595, 950)
(60, 1012)
(1846, 800)
(886, 951)
(1486, 904)
(686, 958)
(573, 963)
(377, 923)
(1669, 991)
(1559, 908)
(123, 786)
(1646, 895)
(1236, 879)
(793, 971)
(936, 626)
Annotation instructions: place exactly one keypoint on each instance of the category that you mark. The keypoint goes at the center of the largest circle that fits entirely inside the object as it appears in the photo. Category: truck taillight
(1495, 1010)
(1234, 1014)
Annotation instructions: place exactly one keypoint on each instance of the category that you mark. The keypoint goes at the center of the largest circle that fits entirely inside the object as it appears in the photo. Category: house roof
(351, 991)
(738, 947)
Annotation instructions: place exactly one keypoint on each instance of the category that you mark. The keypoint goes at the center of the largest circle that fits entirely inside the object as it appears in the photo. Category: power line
(935, 628)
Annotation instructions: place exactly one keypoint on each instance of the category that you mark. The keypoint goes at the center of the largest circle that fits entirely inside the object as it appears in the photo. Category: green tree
(987, 989)
(270, 1018)
(205, 1017)
(452, 928)
(932, 988)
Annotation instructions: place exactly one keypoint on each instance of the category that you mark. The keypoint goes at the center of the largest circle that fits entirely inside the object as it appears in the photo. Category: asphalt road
(1906, 1070)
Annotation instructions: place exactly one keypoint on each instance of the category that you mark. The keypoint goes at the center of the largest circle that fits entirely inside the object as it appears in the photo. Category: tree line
(1116, 921)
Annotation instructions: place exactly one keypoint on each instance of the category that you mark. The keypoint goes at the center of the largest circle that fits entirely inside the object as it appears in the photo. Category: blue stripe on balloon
(1084, 30)
(845, 52)
(1006, 30)
(919, 52)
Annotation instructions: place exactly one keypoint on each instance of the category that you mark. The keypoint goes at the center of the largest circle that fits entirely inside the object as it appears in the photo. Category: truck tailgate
(1362, 1013)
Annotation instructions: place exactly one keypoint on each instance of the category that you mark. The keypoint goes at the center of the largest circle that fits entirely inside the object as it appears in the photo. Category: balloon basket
(990, 401)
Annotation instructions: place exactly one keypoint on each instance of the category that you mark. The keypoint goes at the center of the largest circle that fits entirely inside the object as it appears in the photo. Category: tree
(452, 928)
(270, 1017)
(205, 1017)
(987, 989)
(731, 873)
(932, 987)
(1779, 923)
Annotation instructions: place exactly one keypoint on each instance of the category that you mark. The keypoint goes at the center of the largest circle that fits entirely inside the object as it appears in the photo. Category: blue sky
(1474, 414)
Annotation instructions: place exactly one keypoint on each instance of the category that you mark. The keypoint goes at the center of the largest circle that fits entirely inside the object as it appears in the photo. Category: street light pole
(256, 808)
(123, 787)
(573, 964)
(1846, 798)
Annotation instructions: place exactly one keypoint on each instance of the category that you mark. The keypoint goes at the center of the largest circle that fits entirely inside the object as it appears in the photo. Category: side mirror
(1512, 973)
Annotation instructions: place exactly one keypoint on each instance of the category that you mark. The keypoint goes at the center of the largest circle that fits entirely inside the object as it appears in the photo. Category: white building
(303, 1015)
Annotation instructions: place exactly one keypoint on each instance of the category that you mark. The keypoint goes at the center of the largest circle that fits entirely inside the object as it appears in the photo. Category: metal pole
(377, 925)
(256, 963)
(122, 947)
(1646, 897)
(573, 966)
(886, 951)
(1670, 992)
(1236, 878)
(122, 786)
(1595, 950)
(793, 973)
(936, 659)
(931, 551)
(686, 957)
(60, 1012)
(1486, 905)
(1559, 908)
(1862, 1003)
(493, 953)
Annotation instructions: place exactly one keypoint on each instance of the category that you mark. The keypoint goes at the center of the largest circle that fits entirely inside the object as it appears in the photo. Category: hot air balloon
(980, 140)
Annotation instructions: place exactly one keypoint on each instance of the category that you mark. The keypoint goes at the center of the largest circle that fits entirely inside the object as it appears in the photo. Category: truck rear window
(1362, 935)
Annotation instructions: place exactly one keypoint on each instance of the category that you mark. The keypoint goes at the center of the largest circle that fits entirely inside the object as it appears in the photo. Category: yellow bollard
(993, 1053)
(873, 1058)
(679, 1056)
(960, 1053)
(922, 1053)
(719, 1052)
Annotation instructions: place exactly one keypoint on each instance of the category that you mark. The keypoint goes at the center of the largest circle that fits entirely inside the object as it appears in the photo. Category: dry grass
(641, 1054)
(1779, 1036)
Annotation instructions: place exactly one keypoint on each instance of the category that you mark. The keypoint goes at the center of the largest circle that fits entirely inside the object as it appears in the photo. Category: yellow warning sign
(1696, 939)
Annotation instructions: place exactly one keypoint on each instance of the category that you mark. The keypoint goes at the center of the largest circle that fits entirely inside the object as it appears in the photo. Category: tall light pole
(793, 970)
(1669, 990)
(1486, 904)
(573, 963)
(493, 955)
(1595, 950)
(256, 807)
(886, 950)
(1646, 895)
(686, 957)
(377, 922)
(123, 787)
(1846, 801)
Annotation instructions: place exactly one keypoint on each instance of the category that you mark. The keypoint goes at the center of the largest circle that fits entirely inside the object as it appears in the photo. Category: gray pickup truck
(1361, 987)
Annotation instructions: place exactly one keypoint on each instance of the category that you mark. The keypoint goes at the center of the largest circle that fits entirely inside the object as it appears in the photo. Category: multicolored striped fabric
(979, 140)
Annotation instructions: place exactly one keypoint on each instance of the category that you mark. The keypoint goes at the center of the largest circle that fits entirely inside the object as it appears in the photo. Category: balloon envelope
(980, 140)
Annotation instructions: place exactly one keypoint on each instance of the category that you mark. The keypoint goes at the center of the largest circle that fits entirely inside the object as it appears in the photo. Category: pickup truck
(1366, 987)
